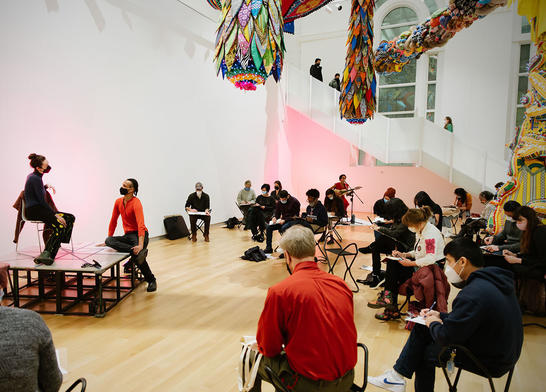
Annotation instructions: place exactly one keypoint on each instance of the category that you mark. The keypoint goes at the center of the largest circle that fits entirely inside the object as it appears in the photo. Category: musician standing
(341, 188)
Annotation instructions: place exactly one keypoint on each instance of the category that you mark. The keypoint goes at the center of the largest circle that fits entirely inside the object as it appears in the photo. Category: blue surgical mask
(385, 200)
(247, 188)
(264, 193)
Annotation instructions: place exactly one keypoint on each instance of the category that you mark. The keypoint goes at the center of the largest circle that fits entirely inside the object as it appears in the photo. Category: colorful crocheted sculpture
(527, 184)
(393, 55)
(357, 99)
(249, 42)
(294, 9)
(216, 4)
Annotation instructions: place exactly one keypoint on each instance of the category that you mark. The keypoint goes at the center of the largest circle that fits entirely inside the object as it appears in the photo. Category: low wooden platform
(65, 287)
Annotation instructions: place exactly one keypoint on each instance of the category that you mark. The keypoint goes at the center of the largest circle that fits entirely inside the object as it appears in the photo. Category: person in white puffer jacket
(428, 249)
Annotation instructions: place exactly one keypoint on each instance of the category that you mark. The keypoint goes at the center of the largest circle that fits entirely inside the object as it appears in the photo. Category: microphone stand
(353, 194)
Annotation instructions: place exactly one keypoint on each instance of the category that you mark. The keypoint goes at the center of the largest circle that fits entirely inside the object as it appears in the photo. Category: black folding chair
(322, 230)
(483, 372)
(350, 251)
(199, 224)
(280, 387)
(81, 381)
(244, 211)
(333, 221)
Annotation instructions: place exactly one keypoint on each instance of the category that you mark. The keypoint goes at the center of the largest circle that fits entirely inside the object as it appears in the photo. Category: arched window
(396, 93)
(397, 21)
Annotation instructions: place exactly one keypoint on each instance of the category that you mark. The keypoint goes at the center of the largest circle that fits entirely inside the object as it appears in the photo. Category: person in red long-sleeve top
(135, 240)
(306, 332)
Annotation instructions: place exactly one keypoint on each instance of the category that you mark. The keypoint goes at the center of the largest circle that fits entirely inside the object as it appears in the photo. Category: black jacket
(319, 211)
(533, 263)
(35, 192)
(380, 208)
(336, 206)
(288, 211)
(486, 319)
(200, 204)
(316, 71)
(402, 234)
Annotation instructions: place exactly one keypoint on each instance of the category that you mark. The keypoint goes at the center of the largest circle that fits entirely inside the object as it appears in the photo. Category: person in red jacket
(306, 332)
(135, 240)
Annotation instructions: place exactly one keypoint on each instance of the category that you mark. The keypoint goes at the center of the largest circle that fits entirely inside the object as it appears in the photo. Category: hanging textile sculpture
(216, 4)
(357, 98)
(527, 184)
(250, 42)
(393, 55)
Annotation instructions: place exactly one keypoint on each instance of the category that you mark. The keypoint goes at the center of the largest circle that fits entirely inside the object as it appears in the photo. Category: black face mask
(47, 169)
(276, 188)
(123, 191)
(459, 285)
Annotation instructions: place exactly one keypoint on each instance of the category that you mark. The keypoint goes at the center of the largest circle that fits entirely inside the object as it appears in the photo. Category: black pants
(244, 209)
(256, 219)
(420, 357)
(125, 244)
(59, 234)
(394, 277)
(382, 244)
(193, 223)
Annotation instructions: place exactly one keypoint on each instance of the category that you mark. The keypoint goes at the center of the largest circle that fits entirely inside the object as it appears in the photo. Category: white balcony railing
(395, 140)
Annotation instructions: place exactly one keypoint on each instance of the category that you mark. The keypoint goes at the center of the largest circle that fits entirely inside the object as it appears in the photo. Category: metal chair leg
(509, 380)
(38, 233)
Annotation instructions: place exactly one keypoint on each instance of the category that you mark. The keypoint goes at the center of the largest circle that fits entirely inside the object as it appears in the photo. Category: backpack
(175, 226)
(254, 254)
(232, 222)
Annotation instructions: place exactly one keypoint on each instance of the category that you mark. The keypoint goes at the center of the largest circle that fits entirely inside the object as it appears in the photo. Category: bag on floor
(532, 296)
(175, 226)
(254, 254)
(249, 363)
(232, 222)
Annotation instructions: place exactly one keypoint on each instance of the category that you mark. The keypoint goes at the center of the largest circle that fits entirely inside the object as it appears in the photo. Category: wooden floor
(185, 337)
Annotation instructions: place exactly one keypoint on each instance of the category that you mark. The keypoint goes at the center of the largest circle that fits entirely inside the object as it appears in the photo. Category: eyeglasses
(95, 264)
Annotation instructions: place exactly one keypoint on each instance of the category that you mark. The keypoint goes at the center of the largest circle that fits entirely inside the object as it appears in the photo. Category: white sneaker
(390, 381)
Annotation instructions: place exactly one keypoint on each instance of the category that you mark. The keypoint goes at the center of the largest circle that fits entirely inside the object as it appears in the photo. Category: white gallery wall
(111, 89)
(476, 69)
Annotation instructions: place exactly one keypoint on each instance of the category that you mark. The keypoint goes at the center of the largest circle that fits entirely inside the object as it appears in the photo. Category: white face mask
(284, 201)
(452, 276)
(331, 197)
(199, 193)
(509, 219)
(521, 225)
(412, 229)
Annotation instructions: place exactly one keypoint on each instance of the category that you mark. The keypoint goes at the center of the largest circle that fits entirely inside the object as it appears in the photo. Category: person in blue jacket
(485, 318)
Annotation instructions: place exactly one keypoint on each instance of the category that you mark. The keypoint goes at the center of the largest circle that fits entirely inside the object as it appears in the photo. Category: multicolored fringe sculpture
(527, 184)
(295, 9)
(249, 42)
(357, 99)
(393, 55)
(216, 4)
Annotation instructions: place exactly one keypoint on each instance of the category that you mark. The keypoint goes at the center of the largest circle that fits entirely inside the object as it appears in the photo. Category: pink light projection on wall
(318, 157)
